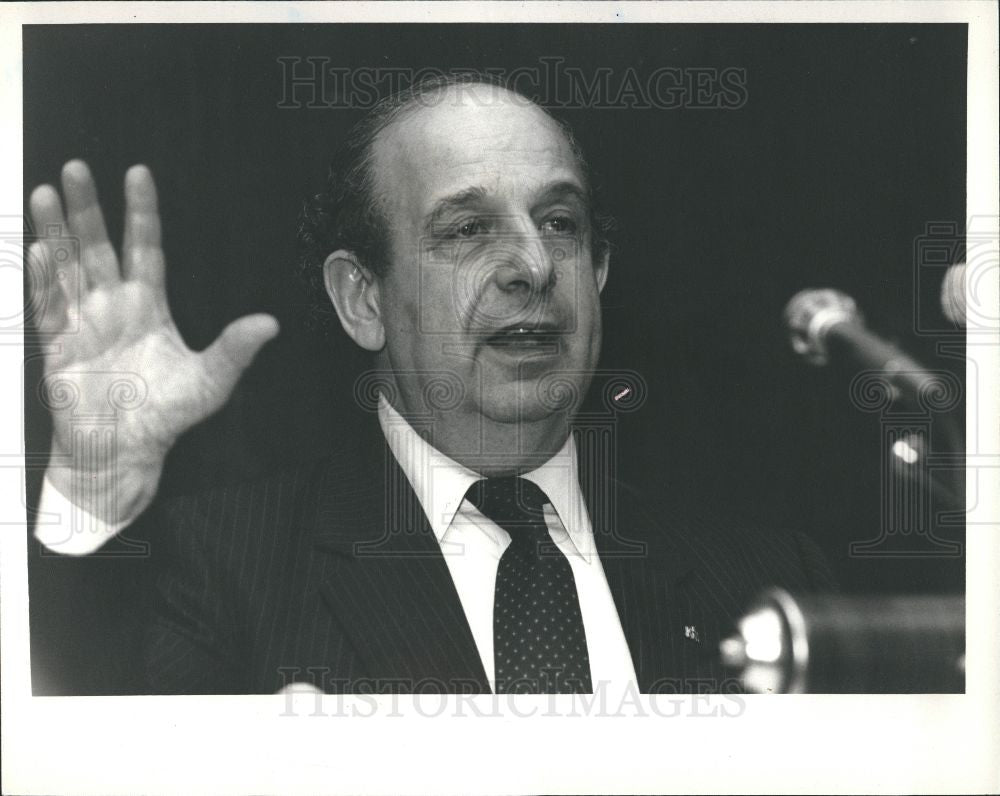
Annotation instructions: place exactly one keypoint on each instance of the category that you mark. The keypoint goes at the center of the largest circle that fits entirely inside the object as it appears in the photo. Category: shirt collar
(440, 482)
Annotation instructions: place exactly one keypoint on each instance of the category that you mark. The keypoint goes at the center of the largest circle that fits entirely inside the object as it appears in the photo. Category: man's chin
(531, 400)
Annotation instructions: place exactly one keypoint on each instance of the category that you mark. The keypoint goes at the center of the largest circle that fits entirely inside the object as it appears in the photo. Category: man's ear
(354, 292)
(602, 270)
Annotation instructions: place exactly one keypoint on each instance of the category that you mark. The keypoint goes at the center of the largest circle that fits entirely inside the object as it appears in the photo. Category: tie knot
(508, 500)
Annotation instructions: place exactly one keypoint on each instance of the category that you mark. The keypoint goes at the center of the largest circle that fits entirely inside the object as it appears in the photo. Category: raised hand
(110, 328)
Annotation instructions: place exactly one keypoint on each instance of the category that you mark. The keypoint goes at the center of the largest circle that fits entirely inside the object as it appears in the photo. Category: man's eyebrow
(561, 189)
(459, 199)
(478, 194)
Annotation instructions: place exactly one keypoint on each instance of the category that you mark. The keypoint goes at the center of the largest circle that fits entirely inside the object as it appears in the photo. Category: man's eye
(474, 226)
(559, 225)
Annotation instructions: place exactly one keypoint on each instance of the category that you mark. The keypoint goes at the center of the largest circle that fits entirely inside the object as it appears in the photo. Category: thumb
(234, 349)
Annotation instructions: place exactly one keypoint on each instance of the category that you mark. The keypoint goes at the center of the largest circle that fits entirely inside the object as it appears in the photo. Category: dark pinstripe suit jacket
(331, 574)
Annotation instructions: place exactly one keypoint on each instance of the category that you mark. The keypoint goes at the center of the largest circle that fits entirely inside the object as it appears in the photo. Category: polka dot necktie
(539, 643)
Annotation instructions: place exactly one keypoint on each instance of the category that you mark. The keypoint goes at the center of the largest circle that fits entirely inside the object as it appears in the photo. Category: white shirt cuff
(66, 528)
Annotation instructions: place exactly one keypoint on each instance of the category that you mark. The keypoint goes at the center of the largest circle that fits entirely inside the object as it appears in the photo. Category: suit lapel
(387, 583)
(649, 567)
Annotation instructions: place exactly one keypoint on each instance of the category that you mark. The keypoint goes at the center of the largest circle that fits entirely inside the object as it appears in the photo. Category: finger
(61, 253)
(142, 255)
(86, 221)
(46, 305)
(234, 349)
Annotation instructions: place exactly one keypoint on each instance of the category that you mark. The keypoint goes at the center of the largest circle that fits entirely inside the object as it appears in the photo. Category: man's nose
(525, 264)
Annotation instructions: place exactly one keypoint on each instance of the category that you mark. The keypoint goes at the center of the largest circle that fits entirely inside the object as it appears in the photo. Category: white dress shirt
(471, 543)
(64, 527)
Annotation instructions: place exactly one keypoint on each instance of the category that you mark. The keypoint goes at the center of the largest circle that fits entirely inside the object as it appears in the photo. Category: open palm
(115, 350)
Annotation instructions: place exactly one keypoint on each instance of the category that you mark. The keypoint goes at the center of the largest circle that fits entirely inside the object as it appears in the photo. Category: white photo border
(222, 745)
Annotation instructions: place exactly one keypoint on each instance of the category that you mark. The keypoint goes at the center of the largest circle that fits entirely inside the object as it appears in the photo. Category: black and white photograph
(566, 369)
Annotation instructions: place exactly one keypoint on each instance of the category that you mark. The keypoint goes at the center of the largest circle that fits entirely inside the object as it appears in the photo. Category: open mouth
(523, 336)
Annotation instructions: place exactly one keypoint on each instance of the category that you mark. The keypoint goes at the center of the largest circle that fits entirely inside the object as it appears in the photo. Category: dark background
(851, 141)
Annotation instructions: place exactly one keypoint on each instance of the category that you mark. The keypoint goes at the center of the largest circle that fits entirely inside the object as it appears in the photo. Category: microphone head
(809, 316)
(953, 295)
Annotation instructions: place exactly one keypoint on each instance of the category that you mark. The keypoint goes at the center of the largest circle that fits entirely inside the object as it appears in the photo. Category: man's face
(492, 286)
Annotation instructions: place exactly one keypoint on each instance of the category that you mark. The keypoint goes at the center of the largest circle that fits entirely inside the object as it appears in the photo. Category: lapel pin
(691, 632)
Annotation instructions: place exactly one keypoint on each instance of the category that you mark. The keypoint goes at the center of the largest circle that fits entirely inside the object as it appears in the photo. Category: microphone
(826, 325)
(838, 644)
(953, 295)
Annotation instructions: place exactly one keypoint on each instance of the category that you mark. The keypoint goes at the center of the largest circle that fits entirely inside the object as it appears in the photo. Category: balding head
(466, 137)
(350, 212)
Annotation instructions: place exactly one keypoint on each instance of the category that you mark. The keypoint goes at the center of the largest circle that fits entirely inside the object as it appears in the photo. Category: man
(473, 543)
